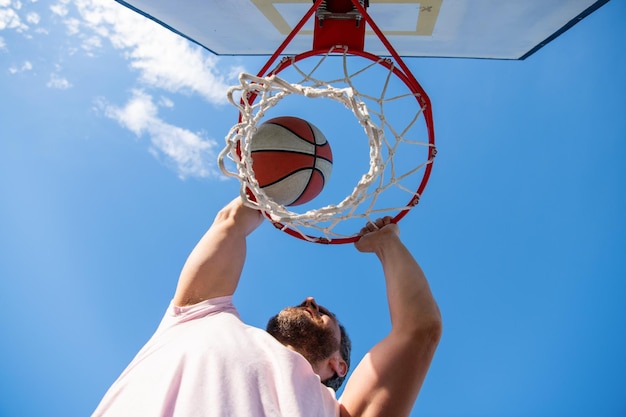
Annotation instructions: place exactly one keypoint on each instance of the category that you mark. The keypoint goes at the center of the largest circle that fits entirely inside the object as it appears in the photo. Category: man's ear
(338, 365)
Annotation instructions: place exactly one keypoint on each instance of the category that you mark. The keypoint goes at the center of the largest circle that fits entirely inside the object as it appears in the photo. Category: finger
(383, 221)
(372, 226)
(367, 229)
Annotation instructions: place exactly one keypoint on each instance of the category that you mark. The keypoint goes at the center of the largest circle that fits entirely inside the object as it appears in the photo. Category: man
(203, 361)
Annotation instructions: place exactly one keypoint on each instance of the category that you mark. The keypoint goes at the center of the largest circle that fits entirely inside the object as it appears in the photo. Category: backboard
(492, 29)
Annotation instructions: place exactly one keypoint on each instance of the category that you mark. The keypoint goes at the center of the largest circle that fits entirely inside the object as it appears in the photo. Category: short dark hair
(345, 347)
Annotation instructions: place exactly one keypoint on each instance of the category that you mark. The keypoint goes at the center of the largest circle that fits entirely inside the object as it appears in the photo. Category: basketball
(291, 160)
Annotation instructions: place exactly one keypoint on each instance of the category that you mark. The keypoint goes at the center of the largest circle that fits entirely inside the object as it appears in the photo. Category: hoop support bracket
(339, 22)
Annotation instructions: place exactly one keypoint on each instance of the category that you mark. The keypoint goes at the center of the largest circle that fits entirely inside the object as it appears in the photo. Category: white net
(391, 123)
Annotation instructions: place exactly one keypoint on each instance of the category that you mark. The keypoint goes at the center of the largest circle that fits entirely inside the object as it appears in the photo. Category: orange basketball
(291, 160)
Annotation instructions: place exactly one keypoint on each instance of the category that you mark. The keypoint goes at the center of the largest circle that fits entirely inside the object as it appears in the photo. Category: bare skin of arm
(388, 379)
(214, 266)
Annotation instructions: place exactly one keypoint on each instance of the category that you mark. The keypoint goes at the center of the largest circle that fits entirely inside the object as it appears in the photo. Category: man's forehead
(326, 311)
(335, 323)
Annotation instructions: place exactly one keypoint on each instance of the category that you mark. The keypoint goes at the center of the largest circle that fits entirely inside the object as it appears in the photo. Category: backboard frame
(440, 35)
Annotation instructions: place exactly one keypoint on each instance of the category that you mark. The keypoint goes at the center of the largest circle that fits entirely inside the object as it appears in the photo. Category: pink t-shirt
(204, 361)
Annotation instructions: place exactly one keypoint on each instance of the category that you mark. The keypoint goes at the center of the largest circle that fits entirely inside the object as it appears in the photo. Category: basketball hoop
(381, 93)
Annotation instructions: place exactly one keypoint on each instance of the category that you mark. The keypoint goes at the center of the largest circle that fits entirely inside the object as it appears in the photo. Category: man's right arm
(388, 379)
(214, 266)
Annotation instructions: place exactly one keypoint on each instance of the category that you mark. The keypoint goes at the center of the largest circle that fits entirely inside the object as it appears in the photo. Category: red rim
(398, 68)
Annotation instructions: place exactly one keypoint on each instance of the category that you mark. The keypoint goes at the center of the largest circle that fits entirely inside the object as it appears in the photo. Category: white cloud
(73, 26)
(159, 58)
(92, 43)
(166, 102)
(26, 66)
(33, 18)
(59, 9)
(10, 16)
(190, 153)
(58, 82)
(163, 59)
(9, 19)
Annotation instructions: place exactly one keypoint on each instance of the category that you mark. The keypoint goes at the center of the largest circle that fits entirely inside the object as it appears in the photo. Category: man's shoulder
(176, 315)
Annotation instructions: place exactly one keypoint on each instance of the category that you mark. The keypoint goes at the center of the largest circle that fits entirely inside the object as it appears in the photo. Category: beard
(296, 328)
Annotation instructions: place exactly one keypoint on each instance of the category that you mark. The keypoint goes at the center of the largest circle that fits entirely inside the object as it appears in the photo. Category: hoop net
(395, 121)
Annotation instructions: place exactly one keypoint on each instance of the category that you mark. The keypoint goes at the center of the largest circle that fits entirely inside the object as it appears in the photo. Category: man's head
(315, 333)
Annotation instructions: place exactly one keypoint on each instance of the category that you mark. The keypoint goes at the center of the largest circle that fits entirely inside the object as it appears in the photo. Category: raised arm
(389, 377)
(214, 266)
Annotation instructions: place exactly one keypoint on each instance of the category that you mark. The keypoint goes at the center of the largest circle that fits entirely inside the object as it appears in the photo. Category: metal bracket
(322, 13)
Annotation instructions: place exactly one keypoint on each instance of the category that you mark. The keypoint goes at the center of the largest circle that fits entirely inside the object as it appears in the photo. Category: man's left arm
(389, 378)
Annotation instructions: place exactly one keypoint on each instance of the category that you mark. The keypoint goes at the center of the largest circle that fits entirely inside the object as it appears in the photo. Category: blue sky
(110, 127)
